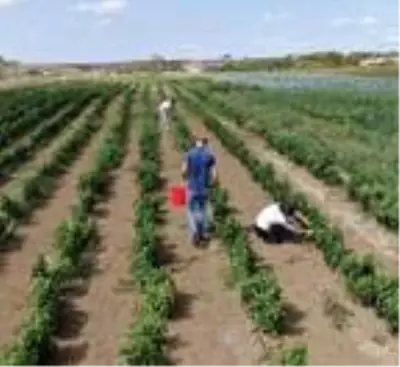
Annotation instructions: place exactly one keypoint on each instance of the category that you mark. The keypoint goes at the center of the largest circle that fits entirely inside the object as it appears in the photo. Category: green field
(97, 268)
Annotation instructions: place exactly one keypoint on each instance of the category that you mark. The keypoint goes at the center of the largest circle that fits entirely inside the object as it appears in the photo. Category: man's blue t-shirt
(199, 163)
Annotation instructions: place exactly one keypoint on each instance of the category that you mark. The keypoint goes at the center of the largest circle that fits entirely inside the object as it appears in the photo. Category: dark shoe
(206, 237)
(196, 240)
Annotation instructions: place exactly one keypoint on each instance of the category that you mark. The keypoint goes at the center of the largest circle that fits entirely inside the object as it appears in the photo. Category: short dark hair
(287, 208)
(200, 138)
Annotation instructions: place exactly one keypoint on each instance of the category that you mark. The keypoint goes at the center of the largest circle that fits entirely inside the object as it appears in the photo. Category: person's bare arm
(214, 175)
(292, 228)
(184, 168)
(302, 219)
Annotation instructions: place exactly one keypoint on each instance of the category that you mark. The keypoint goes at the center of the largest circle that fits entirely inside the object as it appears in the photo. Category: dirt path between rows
(29, 168)
(209, 326)
(361, 231)
(102, 313)
(37, 237)
(317, 298)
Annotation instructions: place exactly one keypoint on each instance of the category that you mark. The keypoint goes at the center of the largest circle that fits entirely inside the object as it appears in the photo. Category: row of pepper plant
(363, 277)
(22, 152)
(74, 237)
(145, 343)
(370, 181)
(40, 186)
(15, 101)
(41, 106)
(257, 285)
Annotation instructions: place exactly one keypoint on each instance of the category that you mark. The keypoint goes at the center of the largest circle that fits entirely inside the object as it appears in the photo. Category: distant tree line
(317, 59)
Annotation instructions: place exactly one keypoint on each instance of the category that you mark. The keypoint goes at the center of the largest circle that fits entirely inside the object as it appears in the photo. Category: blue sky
(106, 30)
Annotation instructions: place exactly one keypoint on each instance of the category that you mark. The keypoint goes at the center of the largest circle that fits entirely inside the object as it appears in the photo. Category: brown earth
(34, 238)
(102, 312)
(208, 326)
(317, 300)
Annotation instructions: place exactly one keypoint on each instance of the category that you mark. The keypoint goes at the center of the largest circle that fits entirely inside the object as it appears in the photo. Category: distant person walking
(199, 169)
(164, 110)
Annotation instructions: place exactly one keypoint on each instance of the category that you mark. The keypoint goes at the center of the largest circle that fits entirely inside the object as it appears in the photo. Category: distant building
(204, 65)
(194, 67)
(373, 61)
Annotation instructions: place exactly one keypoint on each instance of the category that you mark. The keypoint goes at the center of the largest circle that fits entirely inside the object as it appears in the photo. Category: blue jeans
(197, 214)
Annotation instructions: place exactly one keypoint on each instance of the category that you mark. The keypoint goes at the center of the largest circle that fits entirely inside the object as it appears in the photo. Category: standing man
(164, 112)
(199, 169)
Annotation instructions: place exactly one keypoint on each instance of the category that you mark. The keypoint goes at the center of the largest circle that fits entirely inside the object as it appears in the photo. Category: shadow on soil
(182, 309)
(69, 349)
(293, 318)
(182, 305)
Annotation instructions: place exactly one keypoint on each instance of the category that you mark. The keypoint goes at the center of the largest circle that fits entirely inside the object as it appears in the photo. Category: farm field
(98, 270)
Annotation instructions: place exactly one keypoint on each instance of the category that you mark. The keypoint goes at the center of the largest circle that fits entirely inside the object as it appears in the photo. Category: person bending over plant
(280, 222)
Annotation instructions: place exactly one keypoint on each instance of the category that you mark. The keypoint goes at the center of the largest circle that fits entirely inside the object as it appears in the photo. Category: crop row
(42, 184)
(41, 106)
(11, 160)
(365, 164)
(14, 158)
(74, 237)
(258, 287)
(362, 276)
(145, 343)
(14, 102)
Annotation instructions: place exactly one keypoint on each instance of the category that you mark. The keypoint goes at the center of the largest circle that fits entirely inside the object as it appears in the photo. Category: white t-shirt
(165, 105)
(271, 214)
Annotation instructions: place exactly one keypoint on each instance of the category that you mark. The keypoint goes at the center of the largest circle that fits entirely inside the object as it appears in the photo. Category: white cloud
(6, 3)
(392, 35)
(271, 17)
(104, 22)
(367, 21)
(101, 7)
(341, 21)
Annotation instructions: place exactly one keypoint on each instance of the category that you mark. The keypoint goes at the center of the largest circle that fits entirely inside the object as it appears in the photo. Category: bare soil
(320, 312)
(36, 237)
(102, 312)
(209, 326)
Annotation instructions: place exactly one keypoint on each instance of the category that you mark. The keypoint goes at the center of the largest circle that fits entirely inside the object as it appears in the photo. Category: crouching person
(280, 222)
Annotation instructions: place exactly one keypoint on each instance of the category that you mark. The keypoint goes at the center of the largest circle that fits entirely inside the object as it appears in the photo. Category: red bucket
(177, 196)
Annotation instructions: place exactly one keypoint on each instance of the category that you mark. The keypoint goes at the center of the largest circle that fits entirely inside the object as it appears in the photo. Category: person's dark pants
(276, 234)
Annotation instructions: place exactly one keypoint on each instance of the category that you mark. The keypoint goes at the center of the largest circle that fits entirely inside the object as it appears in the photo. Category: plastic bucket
(177, 196)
